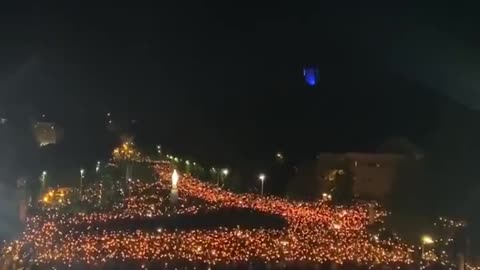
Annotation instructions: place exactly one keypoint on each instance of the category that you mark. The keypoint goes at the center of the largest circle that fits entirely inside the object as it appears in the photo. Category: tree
(306, 183)
(125, 155)
(343, 185)
(143, 171)
(109, 189)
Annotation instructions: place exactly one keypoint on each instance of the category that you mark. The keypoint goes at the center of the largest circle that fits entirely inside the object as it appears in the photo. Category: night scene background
(223, 84)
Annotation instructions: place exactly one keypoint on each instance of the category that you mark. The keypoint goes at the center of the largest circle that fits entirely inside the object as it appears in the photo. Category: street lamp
(98, 167)
(224, 175)
(215, 175)
(426, 240)
(82, 175)
(43, 178)
(261, 177)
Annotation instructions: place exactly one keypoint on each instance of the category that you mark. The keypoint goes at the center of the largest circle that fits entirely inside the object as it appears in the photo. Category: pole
(82, 171)
(467, 250)
(261, 190)
(460, 261)
(423, 250)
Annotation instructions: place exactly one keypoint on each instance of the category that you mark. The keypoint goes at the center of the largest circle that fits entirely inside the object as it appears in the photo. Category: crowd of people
(316, 232)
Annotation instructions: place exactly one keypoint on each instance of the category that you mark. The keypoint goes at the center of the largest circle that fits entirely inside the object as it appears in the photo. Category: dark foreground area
(226, 218)
(224, 266)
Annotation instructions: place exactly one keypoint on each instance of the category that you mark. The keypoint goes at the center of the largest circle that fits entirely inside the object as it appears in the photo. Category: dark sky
(223, 81)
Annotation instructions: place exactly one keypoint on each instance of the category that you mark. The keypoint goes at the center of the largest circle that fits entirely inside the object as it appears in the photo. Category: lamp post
(97, 168)
(82, 175)
(216, 175)
(225, 174)
(279, 156)
(43, 180)
(261, 177)
(426, 240)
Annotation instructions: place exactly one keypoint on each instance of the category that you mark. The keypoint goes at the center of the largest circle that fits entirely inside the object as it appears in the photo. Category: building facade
(46, 133)
(367, 175)
(373, 174)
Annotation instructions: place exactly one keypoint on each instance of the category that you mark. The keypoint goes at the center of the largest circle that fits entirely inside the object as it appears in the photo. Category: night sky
(223, 82)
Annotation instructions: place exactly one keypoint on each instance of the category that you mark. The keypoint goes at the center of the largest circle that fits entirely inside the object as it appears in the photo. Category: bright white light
(262, 177)
(225, 172)
(326, 197)
(187, 162)
(174, 179)
(426, 239)
(42, 178)
(82, 171)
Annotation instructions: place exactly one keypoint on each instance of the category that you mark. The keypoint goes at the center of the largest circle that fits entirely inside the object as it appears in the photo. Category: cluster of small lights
(441, 251)
(127, 152)
(55, 197)
(315, 232)
(447, 223)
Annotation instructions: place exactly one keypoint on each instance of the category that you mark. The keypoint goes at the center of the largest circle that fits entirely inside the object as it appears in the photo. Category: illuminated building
(46, 133)
(371, 174)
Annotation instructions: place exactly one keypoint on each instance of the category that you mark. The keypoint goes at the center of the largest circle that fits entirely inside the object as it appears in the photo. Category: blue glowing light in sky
(311, 75)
